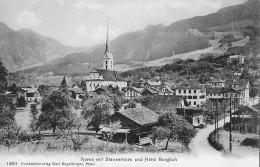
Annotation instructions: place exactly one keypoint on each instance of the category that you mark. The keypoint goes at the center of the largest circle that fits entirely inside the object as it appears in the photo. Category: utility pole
(224, 110)
(217, 117)
(230, 128)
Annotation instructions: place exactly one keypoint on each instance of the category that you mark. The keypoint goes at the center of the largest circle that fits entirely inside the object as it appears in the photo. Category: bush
(213, 141)
(250, 142)
(226, 126)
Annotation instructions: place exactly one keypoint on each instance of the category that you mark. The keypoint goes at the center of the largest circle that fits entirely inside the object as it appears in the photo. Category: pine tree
(64, 86)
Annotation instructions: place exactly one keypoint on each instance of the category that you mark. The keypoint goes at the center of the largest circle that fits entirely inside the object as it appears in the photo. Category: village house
(77, 94)
(136, 125)
(105, 76)
(240, 58)
(237, 89)
(217, 83)
(158, 86)
(31, 94)
(132, 92)
(195, 95)
(214, 93)
(246, 119)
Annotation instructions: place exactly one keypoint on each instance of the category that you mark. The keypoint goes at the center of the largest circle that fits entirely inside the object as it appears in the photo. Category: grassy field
(237, 149)
(48, 145)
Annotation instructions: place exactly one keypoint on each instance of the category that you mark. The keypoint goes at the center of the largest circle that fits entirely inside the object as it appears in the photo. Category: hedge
(213, 141)
(252, 142)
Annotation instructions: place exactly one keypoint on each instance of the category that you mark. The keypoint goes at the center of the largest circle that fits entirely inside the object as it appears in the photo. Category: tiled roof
(140, 90)
(217, 80)
(151, 90)
(242, 83)
(232, 89)
(141, 116)
(214, 90)
(30, 90)
(160, 103)
(191, 87)
(109, 75)
(76, 90)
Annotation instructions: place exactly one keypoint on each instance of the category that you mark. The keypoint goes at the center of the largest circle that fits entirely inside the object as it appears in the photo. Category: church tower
(108, 62)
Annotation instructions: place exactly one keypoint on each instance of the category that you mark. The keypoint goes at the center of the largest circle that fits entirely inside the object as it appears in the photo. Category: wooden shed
(136, 124)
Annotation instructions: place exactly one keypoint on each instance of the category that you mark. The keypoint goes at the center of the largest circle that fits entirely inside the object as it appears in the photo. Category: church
(106, 75)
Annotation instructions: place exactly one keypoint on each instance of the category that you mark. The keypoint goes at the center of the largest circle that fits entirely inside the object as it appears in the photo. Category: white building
(195, 95)
(217, 83)
(32, 94)
(105, 76)
(240, 58)
(236, 89)
(133, 92)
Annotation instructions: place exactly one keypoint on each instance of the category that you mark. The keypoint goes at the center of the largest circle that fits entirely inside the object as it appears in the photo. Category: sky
(83, 22)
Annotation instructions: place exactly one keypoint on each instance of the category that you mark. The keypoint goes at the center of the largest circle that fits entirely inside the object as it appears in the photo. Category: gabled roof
(230, 89)
(76, 90)
(160, 103)
(191, 87)
(109, 75)
(141, 116)
(139, 90)
(215, 90)
(30, 90)
(242, 83)
(154, 83)
(217, 81)
(150, 90)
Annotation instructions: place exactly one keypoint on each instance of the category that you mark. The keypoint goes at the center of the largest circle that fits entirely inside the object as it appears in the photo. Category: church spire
(107, 41)
(108, 61)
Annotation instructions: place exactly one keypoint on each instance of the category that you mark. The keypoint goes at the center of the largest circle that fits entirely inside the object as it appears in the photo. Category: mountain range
(136, 49)
(23, 48)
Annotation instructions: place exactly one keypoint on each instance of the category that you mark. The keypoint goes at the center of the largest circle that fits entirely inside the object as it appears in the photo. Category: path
(23, 118)
(200, 145)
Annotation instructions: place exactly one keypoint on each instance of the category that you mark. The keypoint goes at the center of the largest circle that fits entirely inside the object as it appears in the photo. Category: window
(184, 91)
(202, 97)
(179, 91)
(189, 103)
(194, 97)
(194, 91)
(194, 103)
(189, 97)
(226, 95)
(189, 91)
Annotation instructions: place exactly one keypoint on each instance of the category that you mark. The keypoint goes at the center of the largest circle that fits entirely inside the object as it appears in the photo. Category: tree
(3, 75)
(173, 127)
(253, 92)
(21, 102)
(8, 128)
(55, 108)
(33, 109)
(98, 108)
(7, 111)
(63, 85)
